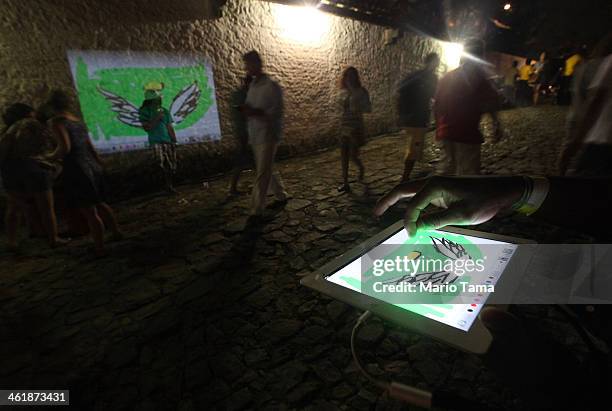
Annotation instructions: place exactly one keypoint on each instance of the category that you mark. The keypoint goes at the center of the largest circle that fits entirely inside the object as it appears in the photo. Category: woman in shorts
(354, 101)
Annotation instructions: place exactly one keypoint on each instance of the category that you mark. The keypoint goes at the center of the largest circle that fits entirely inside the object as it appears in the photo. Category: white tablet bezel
(477, 340)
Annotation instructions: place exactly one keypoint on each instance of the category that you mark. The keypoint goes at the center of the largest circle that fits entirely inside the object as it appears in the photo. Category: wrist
(535, 191)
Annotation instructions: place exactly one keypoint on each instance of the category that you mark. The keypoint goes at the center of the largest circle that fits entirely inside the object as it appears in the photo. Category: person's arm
(577, 203)
(171, 132)
(61, 137)
(274, 103)
(273, 109)
(149, 124)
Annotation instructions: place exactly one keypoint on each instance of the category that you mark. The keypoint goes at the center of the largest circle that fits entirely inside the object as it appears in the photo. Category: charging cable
(409, 394)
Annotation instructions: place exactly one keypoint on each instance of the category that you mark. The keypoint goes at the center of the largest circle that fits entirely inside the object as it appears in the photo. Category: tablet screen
(458, 309)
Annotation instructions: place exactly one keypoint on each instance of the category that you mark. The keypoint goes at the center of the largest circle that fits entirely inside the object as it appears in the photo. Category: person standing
(463, 95)
(241, 133)
(565, 83)
(27, 172)
(542, 77)
(414, 109)
(157, 122)
(85, 187)
(523, 90)
(263, 108)
(354, 101)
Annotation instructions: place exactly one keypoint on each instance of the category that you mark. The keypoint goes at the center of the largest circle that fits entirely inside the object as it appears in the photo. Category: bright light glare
(507, 6)
(451, 54)
(301, 24)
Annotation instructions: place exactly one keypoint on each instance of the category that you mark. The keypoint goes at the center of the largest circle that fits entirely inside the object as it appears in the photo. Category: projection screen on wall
(110, 87)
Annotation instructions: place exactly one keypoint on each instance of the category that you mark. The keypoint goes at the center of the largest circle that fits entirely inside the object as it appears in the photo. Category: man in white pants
(264, 109)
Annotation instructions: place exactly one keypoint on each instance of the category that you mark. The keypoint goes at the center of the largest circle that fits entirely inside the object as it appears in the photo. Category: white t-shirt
(601, 131)
(265, 94)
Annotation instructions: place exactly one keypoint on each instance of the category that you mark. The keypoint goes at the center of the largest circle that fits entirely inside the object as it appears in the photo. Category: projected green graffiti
(110, 97)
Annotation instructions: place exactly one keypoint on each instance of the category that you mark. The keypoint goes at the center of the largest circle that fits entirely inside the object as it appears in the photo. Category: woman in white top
(354, 101)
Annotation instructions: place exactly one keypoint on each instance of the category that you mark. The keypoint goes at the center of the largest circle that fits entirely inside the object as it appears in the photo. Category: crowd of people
(525, 83)
(40, 147)
(47, 150)
(50, 146)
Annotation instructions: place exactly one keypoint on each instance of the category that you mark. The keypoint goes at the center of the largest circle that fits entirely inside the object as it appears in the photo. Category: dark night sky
(534, 25)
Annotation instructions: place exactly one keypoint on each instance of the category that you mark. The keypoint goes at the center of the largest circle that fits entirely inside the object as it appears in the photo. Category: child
(157, 122)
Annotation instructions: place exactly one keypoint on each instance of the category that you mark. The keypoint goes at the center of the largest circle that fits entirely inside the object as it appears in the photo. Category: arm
(274, 105)
(171, 131)
(63, 140)
(150, 124)
(474, 200)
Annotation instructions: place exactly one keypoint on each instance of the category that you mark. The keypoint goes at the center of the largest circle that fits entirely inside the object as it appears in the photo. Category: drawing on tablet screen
(427, 246)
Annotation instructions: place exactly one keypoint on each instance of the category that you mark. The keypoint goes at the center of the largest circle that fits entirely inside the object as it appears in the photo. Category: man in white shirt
(264, 109)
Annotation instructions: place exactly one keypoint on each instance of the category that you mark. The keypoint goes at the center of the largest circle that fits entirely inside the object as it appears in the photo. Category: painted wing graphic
(448, 248)
(127, 113)
(185, 102)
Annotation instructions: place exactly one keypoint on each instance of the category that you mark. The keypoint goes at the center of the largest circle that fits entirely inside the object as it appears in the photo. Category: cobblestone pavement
(190, 312)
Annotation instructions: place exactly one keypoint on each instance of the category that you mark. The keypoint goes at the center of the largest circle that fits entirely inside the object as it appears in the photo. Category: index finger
(400, 191)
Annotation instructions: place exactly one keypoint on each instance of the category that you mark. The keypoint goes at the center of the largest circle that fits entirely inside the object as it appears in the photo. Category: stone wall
(35, 34)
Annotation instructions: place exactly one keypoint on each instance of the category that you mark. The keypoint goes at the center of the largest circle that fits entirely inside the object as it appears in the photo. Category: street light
(507, 6)
(305, 24)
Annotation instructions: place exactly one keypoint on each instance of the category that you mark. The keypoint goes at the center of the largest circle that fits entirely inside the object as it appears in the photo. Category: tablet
(422, 284)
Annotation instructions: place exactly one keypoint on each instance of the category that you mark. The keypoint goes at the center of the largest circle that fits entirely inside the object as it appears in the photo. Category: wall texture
(35, 34)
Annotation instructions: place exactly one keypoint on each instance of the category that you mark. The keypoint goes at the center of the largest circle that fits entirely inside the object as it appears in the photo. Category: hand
(468, 200)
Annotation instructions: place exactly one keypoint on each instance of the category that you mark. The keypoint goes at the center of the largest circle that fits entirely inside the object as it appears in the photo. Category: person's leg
(11, 220)
(46, 209)
(415, 137)
(161, 162)
(276, 186)
(233, 188)
(37, 230)
(467, 159)
(96, 228)
(447, 164)
(354, 156)
(263, 165)
(172, 163)
(344, 163)
(168, 165)
(536, 93)
(108, 218)
(240, 164)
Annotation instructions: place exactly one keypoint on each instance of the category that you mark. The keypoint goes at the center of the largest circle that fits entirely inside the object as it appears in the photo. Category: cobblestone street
(190, 312)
